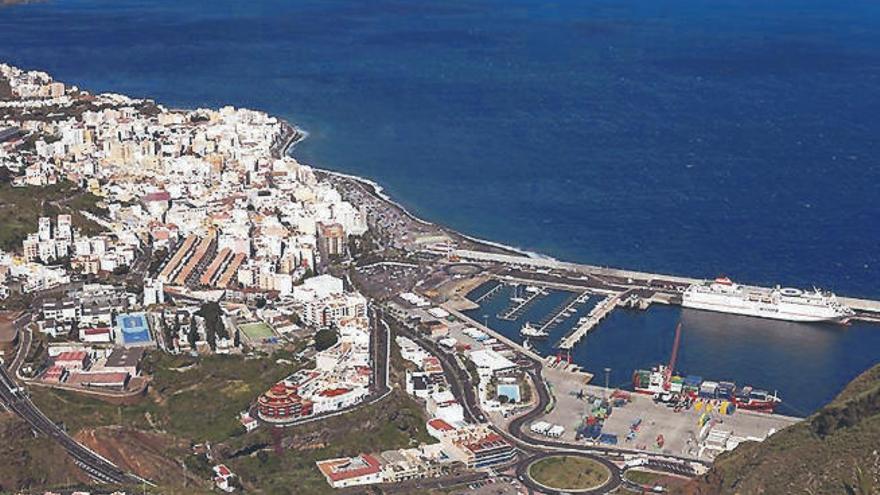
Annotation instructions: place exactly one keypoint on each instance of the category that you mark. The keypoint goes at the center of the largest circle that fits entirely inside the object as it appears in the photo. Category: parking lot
(494, 486)
(387, 279)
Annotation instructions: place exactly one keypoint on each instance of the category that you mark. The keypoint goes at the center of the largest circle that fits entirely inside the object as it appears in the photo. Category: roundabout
(569, 473)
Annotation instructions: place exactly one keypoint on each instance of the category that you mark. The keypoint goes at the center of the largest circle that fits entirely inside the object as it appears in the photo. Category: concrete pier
(516, 345)
(559, 316)
(514, 311)
(490, 293)
(596, 315)
(866, 309)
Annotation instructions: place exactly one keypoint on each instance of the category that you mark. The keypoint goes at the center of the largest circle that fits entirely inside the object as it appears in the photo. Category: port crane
(673, 357)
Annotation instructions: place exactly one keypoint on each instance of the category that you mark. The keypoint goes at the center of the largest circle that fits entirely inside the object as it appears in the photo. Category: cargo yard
(544, 315)
(637, 422)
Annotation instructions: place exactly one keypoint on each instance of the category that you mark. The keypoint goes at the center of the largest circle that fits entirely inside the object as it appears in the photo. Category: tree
(193, 335)
(213, 315)
(325, 339)
(170, 332)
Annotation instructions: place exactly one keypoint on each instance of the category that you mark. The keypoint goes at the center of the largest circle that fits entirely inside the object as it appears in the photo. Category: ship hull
(759, 406)
(759, 313)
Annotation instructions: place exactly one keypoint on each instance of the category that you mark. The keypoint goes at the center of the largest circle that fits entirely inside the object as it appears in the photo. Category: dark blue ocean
(692, 137)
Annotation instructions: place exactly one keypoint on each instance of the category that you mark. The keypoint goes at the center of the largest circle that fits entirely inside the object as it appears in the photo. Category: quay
(866, 309)
(596, 315)
(498, 336)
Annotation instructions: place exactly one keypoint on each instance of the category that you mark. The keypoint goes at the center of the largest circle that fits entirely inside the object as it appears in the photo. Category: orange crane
(670, 368)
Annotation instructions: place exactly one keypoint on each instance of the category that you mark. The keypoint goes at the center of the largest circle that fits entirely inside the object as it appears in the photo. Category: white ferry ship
(788, 304)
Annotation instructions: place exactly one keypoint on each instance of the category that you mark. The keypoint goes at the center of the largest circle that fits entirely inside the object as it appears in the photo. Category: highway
(15, 400)
(25, 336)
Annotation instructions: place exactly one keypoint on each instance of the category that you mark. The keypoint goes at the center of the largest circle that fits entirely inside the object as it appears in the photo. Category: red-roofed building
(440, 426)
(95, 335)
(156, 203)
(102, 379)
(334, 399)
(156, 196)
(476, 446)
(432, 365)
(282, 403)
(354, 471)
(488, 451)
(223, 478)
(72, 360)
(334, 392)
(53, 374)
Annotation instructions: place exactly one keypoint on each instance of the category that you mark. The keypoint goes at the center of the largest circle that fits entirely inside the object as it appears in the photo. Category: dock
(866, 309)
(512, 313)
(596, 315)
(490, 293)
(559, 315)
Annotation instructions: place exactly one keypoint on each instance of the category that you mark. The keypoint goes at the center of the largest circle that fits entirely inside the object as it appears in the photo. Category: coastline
(378, 191)
(492, 247)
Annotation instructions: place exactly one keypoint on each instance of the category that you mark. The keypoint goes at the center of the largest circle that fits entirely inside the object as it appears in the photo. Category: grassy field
(569, 473)
(197, 400)
(643, 477)
(256, 332)
(21, 207)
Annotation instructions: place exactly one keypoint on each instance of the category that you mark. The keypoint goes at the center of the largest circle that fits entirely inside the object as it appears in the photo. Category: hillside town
(140, 243)
(201, 236)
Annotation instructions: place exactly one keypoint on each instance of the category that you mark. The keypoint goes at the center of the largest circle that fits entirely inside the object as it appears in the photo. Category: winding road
(98, 468)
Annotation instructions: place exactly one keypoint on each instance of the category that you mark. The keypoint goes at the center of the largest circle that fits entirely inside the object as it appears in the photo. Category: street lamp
(607, 375)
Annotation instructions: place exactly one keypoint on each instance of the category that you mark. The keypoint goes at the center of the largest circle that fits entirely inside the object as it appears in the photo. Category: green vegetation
(325, 339)
(256, 331)
(569, 473)
(25, 463)
(832, 451)
(21, 207)
(644, 477)
(196, 399)
(396, 422)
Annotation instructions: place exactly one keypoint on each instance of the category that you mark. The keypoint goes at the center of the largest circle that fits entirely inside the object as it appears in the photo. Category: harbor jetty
(591, 320)
(664, 287)
(519, 306)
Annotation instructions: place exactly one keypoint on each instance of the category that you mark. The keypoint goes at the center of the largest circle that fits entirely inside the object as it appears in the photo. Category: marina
(864, 309)
(519, 303)
(590, 321)
(639, 333)
(563, 311)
